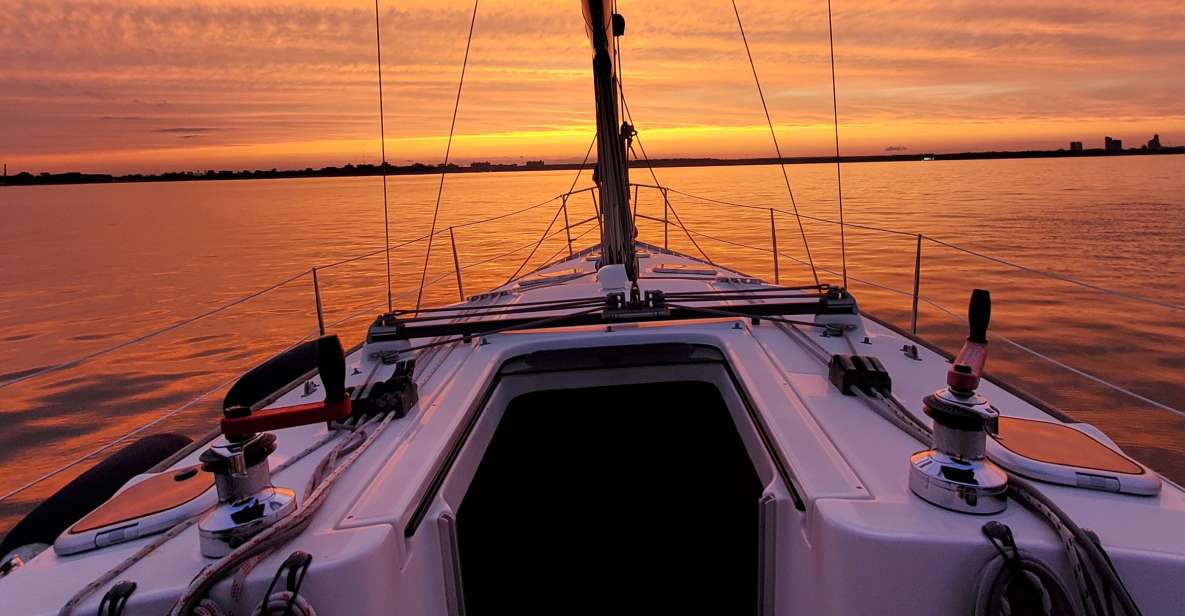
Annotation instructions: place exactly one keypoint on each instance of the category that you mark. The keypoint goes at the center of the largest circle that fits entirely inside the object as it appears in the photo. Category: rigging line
(781, 211)
(514, 327)
(127, 343)
(425, 236)
(930, 238)
(1062, 277)
(546, 234)
(497, 310)
(580, 169)
(1017, 345)
(738, 313)
(1081, 373)
(104, 351)
(843, 248)
(372, 253)
(447, 152)
(774, 136)
(513, 212)
(552, 258)
(679, 222)
(378, 48)
(650, 167)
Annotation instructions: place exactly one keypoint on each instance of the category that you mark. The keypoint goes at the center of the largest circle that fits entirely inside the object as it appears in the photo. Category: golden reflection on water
(88, 266)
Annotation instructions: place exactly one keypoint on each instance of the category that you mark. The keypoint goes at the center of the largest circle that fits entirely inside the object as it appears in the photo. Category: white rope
(126, 564)
(284, 602)
(285, 529)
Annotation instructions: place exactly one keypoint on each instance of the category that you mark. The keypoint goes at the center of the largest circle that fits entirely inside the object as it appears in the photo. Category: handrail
(368, 308)
(566, 228)
(1062, 277)
(951, 313)
(250, 296)
(951, 245)
(138, 430)
(127, 343)
(534, 245)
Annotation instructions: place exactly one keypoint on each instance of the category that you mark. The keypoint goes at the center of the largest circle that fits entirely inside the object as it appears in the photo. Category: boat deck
(851, 517)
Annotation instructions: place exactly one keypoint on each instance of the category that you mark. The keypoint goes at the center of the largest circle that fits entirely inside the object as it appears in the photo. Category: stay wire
(843, 248)
(378, 46)
(654, 176)
(447, 152)
(774, 136)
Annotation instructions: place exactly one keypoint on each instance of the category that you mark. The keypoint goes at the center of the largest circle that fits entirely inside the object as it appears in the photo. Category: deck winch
(955, 473)
(247, 501)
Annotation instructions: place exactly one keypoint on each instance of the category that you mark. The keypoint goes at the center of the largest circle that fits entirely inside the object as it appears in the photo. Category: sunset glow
(151, 85)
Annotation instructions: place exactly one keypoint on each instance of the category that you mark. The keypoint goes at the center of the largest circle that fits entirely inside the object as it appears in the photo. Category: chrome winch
(955, 473)
(247, 501)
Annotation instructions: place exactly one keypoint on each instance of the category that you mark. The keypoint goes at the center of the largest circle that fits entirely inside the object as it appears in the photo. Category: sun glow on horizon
(250, 84)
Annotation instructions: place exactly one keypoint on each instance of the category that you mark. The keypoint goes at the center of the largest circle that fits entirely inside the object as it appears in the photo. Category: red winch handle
(967, 369)
(331, 362)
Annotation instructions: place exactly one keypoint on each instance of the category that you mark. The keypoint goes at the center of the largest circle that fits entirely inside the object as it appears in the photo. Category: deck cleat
(955, 473)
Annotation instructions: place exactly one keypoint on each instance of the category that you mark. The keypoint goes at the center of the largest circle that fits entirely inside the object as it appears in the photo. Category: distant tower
(1075, 146)
(1154, 142)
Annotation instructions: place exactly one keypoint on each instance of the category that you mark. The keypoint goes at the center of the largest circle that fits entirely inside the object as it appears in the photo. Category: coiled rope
(110, 575)
(1101, 590)
(323, 478)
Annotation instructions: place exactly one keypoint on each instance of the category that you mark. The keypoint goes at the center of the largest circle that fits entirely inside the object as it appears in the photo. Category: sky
(151, 85)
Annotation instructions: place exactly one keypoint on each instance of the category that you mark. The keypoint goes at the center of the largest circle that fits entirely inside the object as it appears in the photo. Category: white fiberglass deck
(844, 534)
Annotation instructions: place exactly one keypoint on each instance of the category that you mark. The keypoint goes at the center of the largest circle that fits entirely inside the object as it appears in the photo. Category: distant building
(535, 163)
(485, 165)
(1113, 146)
(1154, 142)
(1075, 146)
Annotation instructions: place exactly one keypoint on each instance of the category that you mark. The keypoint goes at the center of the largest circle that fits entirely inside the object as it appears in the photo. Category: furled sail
(617, 227)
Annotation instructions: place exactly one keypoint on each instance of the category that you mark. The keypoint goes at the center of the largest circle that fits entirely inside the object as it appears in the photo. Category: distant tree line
(350, 170)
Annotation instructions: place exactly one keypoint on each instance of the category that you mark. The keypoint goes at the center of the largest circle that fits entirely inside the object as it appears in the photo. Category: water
(85, 267)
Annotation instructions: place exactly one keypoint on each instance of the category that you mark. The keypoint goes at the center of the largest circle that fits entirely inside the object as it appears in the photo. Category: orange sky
(151, 85)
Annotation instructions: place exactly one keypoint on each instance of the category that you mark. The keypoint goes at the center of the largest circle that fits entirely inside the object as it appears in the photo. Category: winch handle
(331, 364)
(967, 369)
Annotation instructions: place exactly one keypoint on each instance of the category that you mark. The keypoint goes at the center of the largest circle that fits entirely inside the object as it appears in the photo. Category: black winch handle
(331, 364)
(967, 369)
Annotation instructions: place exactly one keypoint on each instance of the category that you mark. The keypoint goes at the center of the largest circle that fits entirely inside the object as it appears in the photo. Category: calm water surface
(85, 267)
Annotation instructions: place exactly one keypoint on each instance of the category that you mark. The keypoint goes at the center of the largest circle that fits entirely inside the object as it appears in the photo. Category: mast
(613, 137)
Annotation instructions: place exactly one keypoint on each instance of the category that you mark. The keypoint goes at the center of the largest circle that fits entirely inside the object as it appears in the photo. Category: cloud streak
(109, 84)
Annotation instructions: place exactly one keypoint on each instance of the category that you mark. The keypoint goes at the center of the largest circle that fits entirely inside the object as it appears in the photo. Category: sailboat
(627, 429)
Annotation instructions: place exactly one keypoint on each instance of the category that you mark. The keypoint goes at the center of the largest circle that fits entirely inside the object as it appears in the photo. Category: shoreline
(352, 170)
